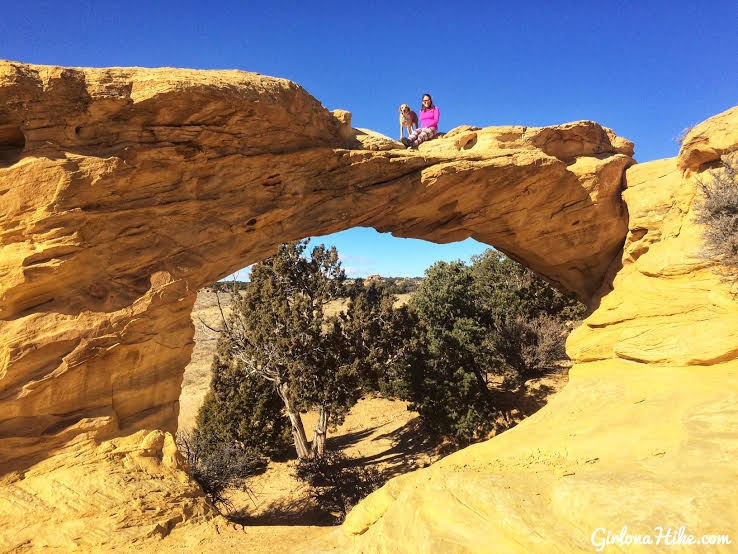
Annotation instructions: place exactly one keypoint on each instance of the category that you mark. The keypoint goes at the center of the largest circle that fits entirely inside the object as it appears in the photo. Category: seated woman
(428, 116)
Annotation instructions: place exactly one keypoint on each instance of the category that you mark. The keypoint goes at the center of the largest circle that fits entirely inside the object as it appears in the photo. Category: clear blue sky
(646, 69)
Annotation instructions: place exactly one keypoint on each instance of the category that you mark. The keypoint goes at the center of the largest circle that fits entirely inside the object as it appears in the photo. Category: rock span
(125, 190)
(644, 435)
(134, 188)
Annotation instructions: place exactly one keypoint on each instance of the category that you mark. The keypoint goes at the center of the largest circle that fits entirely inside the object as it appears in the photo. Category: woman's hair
(422, 106)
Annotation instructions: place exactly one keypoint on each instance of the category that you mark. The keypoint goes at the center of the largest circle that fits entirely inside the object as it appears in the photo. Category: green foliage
(280, 354)
(337, 486)
(450, 358)
(229, 286)
(388, 285)
(331, 382)
(218, 465)
(493, 317)
(376, 334)
(525, 316)
(717, 210)
(400, 285)
(278, 346)
(507, 289)
(242, 407)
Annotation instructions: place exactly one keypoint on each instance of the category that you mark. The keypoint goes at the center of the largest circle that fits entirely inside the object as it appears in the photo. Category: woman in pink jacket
(428, 116)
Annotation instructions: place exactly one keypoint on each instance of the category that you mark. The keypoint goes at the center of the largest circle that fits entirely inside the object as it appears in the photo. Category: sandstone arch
(136, 187)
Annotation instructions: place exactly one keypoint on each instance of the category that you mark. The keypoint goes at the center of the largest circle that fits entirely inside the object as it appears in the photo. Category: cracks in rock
(640, 316)
(469, 507)
(568, 205)
(371, 185)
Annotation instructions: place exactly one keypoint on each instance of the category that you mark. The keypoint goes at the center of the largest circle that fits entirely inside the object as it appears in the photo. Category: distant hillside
(394, 285)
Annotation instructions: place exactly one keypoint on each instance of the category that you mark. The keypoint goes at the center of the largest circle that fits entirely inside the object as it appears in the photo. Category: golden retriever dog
(408, 118)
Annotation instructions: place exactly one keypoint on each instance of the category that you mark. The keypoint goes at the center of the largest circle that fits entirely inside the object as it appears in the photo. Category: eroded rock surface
(135, 188)
(125, 190)
(644, 435)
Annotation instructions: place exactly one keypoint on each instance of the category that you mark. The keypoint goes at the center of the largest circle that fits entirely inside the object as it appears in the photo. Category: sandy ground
(377, 432)
(277, 512)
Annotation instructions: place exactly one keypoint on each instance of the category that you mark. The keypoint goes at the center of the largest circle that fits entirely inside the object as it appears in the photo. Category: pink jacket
(429, 118)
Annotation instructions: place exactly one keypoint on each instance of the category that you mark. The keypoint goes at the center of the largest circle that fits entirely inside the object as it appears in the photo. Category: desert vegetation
(488, 320)
(469, 332)
(717, 210)
(338, 483)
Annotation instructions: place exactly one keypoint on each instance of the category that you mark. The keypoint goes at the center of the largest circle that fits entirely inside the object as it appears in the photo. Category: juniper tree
(447, 374)
(279, 333)
(377, 335)
(494, 317)
(242, 408)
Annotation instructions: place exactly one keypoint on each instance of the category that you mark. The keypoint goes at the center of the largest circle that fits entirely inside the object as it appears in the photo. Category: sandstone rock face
(644, 435)
(134, 188)
(116, 492)
(125, 190)
(709, 140)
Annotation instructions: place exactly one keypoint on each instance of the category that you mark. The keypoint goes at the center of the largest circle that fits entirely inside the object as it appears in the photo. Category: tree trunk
(483, 387)
(298, 430)
(320, 433)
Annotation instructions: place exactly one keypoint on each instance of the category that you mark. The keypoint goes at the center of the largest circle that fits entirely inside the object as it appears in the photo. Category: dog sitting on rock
(408, 118)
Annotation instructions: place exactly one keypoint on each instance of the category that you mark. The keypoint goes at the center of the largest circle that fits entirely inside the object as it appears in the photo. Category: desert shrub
(526, 347)
(337, 485)
(474, 322)
(717, 210)
(681, 137)
(218, 466)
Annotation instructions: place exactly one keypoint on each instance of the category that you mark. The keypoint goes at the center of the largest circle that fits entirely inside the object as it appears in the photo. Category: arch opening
(214, 303)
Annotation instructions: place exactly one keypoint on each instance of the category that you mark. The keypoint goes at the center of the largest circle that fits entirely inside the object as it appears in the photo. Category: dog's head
(404, 108)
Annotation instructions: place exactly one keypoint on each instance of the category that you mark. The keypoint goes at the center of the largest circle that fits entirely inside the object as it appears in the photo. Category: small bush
(681, 137)
(717, 210)
(218, 466)
(528, 347)
(337, 485)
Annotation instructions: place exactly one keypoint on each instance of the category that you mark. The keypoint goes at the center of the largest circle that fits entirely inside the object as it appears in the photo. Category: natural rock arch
(138, 187)
(133, 188)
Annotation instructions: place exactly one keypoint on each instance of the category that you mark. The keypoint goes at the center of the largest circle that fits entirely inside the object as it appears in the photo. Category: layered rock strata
(133, 188)
(125, 190)
(644, 436)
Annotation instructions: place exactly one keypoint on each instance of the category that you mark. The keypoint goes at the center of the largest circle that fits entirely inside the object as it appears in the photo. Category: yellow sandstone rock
(125, 190)
(644, 435)
(709, 140)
